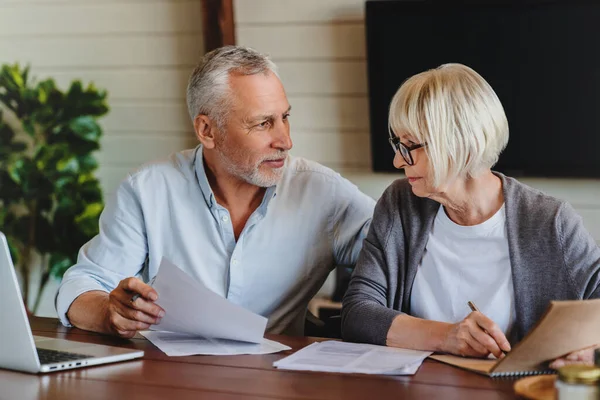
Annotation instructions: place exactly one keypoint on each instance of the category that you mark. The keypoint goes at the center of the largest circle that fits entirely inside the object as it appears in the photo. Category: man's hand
(125, 317)
(583, 356)
(475, 336)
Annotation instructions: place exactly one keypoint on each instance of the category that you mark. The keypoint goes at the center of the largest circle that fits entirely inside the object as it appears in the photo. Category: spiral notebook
(566, 326)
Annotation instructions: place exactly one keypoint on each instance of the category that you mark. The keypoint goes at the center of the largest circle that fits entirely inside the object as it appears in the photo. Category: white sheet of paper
(334, 356)
(192, 308)
(178, 344)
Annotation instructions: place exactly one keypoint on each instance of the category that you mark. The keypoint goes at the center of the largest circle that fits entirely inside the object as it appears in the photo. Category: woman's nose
(399, 161)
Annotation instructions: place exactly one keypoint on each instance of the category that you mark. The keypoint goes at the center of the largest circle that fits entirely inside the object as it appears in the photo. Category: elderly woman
(455, 231)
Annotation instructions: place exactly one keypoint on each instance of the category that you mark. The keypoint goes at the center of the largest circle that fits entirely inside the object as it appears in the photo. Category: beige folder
(565, 327)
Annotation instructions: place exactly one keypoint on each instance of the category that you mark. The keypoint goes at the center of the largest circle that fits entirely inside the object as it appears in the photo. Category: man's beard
(253, 175)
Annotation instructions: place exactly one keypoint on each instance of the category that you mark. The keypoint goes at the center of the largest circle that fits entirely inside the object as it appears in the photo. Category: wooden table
(158, 376)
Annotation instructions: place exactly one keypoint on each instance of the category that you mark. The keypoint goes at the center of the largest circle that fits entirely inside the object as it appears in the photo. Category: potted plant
(50, 199)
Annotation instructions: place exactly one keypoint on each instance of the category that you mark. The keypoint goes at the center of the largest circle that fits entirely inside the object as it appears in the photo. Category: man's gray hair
(208, 91)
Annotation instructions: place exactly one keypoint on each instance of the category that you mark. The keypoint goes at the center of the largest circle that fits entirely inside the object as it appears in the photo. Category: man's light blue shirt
(312, 220)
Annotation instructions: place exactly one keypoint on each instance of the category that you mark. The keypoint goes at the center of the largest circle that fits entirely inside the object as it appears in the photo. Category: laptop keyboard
(53, 356)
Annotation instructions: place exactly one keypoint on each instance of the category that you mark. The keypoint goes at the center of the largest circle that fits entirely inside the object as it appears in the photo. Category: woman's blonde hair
(458, 114)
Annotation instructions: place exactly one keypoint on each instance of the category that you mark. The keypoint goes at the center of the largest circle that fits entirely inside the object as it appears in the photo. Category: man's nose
(283, 140)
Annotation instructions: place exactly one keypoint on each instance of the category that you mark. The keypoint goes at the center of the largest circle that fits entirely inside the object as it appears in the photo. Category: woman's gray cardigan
(552, 256)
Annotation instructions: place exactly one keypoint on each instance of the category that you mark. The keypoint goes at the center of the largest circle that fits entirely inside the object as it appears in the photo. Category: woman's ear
(205, 131)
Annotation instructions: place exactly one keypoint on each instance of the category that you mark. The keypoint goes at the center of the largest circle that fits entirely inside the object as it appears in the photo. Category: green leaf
(82, 147)
(44, 90)
(17, 76)
(21, 170)
(90, 191)
(89, 102)
(68, 164)
(87, 163)
(63, 182)
(25, 74)
(88, 219)
(75, 90)
(59, 264)
(86, 128)
(65, 205)
(91, 211)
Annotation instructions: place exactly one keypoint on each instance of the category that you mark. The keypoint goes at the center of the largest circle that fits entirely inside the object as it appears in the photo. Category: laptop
(21, 351)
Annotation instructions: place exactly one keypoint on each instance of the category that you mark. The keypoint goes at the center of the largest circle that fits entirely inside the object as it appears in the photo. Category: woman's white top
(461, 264)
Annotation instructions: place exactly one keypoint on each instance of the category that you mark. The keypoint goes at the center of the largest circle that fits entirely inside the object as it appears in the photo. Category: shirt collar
(207, 192)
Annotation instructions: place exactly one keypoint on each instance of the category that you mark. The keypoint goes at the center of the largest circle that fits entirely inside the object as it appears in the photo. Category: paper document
(333, 356)
(566, 326)
(192, 308)
(179, 344)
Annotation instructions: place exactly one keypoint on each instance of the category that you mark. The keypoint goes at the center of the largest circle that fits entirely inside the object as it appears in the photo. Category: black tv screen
(541, 58)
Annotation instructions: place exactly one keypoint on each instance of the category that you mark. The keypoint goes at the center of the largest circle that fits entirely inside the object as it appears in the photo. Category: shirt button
(225, 218)
(234, 262)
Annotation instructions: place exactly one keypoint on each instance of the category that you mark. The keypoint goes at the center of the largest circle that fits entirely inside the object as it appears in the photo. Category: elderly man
(250, 222)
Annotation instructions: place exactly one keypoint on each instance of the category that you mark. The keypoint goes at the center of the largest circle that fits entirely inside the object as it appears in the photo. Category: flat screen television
(541, 57)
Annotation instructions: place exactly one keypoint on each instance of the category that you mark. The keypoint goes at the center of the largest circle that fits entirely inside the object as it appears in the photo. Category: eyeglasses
(404, 150)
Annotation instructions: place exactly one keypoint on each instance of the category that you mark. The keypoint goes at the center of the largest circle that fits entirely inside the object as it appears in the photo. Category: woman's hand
(583, 356)
(475, 336)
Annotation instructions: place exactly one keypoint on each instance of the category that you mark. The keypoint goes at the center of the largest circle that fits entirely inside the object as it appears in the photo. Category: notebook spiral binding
(521, 373)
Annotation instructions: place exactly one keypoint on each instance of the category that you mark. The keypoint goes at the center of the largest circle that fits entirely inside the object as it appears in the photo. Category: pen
(474, 308)
(137, 295)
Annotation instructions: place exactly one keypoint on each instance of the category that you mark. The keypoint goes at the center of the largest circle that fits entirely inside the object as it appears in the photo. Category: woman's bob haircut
(458, 114)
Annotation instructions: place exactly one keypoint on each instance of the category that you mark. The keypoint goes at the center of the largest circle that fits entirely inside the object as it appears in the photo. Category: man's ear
(205, 130)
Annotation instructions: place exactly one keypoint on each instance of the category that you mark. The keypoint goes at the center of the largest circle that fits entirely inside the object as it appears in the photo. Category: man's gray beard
(259, 179)
(254, 176)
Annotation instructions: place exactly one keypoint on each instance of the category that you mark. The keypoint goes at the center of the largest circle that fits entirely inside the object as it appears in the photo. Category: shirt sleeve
(351, 221)
(366, 316)
(580, 251)
(117, 252)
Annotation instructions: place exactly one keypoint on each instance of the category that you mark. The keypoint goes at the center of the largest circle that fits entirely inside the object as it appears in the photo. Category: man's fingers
(137, 286)
(137, 315)
(124, 295)
(122, 324)
(139, 309)
(126, 317)
(147, 307)
(140, 304)
(492, 329)
(126, 334)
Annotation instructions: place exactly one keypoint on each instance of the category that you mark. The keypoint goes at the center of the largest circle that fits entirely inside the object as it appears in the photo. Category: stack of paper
(332, 356)
(199, 321)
